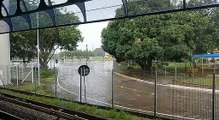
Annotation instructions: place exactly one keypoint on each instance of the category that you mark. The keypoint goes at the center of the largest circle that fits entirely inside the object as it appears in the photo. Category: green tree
(215, 25)
(99, 52)
(169, 37)
(23, 44)
(79, 54)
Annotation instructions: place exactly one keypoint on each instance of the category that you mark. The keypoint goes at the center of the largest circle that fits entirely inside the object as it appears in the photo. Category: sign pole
(83, 71)
(85, 96)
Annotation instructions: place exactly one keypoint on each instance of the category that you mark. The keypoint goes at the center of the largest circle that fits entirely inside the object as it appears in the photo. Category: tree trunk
(43, 64)
(149, 64)
(145, 65)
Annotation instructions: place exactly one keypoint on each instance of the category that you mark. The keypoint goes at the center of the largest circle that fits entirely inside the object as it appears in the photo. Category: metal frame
(81, 5)
(42, 7)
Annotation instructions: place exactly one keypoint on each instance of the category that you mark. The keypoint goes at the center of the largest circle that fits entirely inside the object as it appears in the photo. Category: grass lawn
(180, 79)
(204, 82)
(178, 65)
(45, 87)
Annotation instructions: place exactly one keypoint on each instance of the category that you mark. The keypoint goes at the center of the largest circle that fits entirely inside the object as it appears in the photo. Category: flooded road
(131, 93)
(98, 84)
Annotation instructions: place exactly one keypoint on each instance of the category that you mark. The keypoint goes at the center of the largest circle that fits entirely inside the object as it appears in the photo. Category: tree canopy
(168, 37)
(80, 54)
(23, 44)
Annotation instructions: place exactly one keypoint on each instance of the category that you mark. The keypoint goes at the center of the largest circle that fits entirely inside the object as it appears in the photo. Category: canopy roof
(21, 15)
(206, 55)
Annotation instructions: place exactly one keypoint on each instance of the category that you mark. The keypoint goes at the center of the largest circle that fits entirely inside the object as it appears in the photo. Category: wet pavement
(182, 101)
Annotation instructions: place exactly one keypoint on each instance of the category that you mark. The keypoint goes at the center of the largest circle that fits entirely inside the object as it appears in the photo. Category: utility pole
(38, 49)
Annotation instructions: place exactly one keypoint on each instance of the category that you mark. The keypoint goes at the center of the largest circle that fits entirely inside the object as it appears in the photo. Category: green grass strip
(109, 114)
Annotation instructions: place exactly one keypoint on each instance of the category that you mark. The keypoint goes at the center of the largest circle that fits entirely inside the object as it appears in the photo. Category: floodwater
(134, 94)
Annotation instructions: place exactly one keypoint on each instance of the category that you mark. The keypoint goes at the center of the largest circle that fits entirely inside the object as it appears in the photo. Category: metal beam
(51, 13)
(42, 7)
(8, 21)
(82, 7)
(27, 16)
(125, 5)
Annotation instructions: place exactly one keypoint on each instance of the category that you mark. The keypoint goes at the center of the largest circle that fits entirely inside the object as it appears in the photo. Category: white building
(4, 56)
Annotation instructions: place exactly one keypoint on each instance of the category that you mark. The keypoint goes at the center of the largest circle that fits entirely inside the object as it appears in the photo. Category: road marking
(131, 89)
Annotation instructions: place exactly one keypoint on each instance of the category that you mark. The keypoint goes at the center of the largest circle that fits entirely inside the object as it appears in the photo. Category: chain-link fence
(183, 93)
(172, 90)
(24, 77)
(133, 89)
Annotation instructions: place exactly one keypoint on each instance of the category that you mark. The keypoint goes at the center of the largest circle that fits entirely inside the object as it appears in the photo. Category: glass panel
(43, 18)
(151, 6)
(198, 3)
(10, 7)
(104, 9)
(4, 27)
(68, 15)
(55, 2)
(19, 23)
(28, 5)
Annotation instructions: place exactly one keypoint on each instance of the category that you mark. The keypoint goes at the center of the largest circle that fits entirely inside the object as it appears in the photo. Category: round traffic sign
(83, 70)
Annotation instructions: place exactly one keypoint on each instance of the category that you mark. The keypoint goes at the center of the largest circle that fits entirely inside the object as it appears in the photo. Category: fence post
(56, 82)
(175, 73)
(112, 88)
(213, 96)
(155, 93)
(22, 70)
(8, 72)
(81, 86)
(35, 81)
(32, 72)
(151, 71)
(17, 69)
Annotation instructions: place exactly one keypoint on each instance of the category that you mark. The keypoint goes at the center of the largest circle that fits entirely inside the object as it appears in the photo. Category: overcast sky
(92, 35)
(95, 10)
